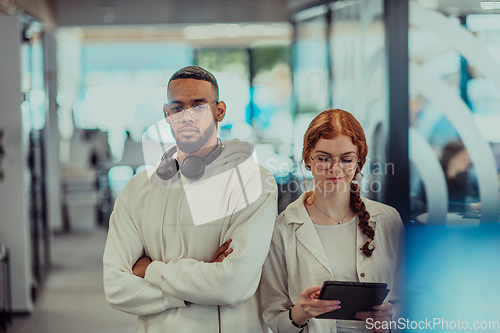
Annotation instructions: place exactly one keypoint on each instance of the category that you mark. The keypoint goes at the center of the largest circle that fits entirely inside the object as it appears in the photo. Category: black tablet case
(354, 297)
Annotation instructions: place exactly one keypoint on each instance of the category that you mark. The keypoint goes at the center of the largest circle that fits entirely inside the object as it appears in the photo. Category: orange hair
(327, 125)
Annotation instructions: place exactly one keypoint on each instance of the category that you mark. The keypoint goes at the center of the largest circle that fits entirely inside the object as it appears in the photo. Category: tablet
(353, 296)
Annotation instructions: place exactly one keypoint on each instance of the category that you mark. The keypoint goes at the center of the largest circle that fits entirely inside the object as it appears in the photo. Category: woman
(330, 233)
(456, 164)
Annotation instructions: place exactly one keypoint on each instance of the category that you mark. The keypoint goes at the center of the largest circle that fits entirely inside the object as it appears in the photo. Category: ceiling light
(487, 5)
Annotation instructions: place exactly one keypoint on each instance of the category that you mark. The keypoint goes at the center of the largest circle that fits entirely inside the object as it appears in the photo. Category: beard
(189, 146)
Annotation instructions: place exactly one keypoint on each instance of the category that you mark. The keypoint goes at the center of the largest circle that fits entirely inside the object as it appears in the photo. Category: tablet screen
(353, 296)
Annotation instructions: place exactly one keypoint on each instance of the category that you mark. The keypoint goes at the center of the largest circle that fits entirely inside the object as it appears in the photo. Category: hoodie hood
(233, 153)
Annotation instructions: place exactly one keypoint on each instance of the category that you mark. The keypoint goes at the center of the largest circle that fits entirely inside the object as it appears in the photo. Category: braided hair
(358, 206)
(327, 125)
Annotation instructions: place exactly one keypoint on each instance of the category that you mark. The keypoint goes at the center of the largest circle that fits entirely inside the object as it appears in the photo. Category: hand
(475, 206)
(310, 306)
(222, 252)
(383, 312)
(140, 266)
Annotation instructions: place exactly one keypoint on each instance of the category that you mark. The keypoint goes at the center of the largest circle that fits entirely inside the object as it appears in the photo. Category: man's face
(193, 134)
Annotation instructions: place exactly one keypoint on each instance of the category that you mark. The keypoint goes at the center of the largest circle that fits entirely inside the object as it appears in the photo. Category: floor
(72, 297)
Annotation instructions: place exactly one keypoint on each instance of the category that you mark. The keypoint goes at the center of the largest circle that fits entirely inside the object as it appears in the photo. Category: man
(159, 260)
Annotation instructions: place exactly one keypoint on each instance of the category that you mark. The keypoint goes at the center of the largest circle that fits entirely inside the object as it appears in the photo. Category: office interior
(82, 84)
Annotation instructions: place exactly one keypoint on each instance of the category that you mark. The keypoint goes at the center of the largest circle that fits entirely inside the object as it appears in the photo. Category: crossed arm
(142, 264)
(143, 287)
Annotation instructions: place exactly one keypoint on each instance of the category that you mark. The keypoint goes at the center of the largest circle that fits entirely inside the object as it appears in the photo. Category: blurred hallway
(83, 88)
(72, 297)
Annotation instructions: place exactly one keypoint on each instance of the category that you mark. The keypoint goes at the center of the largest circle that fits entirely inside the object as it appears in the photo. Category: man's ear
(220, 111)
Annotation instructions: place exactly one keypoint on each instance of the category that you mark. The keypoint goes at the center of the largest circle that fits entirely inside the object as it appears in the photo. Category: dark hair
(450, 151)
(328, 124)
(197, 73)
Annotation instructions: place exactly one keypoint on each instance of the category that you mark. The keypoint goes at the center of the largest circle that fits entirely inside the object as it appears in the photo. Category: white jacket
(297, 261)
(180, 224)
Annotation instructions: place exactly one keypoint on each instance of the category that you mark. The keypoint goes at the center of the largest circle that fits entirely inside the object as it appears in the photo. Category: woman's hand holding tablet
(382, 313)
(310, 306)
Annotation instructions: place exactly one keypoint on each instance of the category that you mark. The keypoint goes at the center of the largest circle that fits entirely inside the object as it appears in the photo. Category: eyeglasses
(325, 162)
(198, 112)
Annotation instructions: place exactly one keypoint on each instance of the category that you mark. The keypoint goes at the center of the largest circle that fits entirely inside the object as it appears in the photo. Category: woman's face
(334, 163)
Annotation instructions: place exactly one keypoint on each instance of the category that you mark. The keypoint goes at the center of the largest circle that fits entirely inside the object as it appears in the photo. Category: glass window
(311, 68)
(454, 103)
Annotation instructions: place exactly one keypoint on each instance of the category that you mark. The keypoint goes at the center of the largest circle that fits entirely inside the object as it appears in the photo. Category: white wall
(14, 222)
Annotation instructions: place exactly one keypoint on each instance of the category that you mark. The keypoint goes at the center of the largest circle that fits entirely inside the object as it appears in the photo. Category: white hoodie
(180, 224)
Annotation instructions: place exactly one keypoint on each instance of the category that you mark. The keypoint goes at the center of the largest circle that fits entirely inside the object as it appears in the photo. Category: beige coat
(298, 261)
(169, 225)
